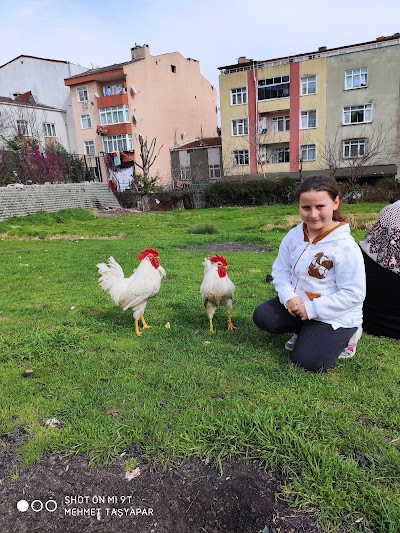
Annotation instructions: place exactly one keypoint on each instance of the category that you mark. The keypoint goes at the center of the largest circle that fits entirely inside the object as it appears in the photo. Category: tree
(20, 124)
(25, 157)
(360, 149)
(147, 155)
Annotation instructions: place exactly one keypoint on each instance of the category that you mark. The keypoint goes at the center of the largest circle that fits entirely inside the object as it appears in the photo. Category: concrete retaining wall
(16, 200)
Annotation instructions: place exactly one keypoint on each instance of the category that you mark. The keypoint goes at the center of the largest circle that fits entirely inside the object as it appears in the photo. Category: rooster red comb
(146, 252)
(218, 259)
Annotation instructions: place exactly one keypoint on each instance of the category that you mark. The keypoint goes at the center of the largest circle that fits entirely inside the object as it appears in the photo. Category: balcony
(112, 100)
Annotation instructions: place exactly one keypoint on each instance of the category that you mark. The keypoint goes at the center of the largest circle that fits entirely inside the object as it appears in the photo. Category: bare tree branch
(147, 155)
(372, 146)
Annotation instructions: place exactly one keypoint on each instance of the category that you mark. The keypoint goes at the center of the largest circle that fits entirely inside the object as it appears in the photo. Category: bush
(268, 191)
(384, 190)
(24, 162)
(207, 229)
(164, 199)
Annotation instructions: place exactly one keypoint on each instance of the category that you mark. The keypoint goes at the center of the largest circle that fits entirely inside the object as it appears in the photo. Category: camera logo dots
(22, 506)
(37, 506)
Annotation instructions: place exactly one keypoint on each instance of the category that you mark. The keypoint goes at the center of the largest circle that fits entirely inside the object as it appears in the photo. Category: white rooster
(217, 288)
(133, 292)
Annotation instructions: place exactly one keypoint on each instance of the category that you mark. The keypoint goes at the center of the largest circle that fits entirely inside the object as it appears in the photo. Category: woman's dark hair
(321, 183)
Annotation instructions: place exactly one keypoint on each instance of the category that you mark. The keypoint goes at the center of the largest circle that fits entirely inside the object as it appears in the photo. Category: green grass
(184, 392)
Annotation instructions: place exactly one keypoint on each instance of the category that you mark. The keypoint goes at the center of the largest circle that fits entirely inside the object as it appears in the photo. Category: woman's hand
(296, 307)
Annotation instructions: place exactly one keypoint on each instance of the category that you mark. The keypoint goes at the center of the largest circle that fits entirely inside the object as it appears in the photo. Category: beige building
(163, 99)
(330, 111)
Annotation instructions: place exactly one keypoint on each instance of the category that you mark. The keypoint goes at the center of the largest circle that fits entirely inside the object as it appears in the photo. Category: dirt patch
(190, 497)
(227, 247)
(123, 212)
(60, 236)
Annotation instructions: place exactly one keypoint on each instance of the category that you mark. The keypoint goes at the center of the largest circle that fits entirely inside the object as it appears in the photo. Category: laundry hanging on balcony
(101, 130)
(117, 159)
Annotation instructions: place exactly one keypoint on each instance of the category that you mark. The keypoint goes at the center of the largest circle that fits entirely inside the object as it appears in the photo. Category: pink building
(162, 97)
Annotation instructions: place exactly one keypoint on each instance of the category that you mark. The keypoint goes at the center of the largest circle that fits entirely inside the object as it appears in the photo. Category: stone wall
(21, 200)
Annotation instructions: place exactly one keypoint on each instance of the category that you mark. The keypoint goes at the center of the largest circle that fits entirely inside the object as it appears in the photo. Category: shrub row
(268, 191)
(271, 191)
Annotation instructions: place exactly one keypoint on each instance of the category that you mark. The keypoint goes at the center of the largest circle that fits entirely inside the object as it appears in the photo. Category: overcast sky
(95, 33)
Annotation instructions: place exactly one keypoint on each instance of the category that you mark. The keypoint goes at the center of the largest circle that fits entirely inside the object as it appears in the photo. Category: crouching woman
(320, 280)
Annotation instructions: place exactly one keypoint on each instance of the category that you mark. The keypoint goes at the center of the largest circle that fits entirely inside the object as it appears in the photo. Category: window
(357, 114)
(262, 125)
(114, 143)
(90, 148)
(117, 88)
(356, 78)
(308, 152)
(240, 157)
(82, 94)
(240, 127)
(273, 88)
(49, 130)
(114, 115)
(185, 173)
(280, 123)
(22, 127)
(86, 122)
(354, 148)
(214, 172)
(173, 69)
(262, 153)
(308, 119)
(308, 85)
(280, 155)
(239, 96)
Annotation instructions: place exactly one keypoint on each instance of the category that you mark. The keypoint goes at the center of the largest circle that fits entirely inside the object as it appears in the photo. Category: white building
(24, 116)
(44, 78)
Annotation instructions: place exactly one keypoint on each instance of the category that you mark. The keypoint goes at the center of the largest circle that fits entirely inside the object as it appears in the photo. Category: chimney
(26, 98)
(321, 48)
(243, 59)
(140, 51)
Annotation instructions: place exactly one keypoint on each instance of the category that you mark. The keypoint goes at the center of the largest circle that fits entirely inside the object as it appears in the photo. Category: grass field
(182, 391)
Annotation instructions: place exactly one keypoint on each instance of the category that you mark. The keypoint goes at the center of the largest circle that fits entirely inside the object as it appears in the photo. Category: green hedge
(266, 191)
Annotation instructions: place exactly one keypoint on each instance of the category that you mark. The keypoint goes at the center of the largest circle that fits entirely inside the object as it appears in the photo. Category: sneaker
(289, 345)
(350, 350)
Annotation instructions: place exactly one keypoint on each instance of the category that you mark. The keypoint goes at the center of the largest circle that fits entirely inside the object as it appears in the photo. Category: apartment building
(330, 111)
(159, 99)
(34, 87)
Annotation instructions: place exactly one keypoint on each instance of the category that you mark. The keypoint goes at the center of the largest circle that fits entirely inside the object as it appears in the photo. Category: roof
(116, 66)
(323, 49)
(26, 99)
(206, 142)
(34, 57)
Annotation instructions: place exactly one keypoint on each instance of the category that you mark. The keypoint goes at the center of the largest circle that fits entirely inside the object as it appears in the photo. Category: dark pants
(318, 345)
(382, 303)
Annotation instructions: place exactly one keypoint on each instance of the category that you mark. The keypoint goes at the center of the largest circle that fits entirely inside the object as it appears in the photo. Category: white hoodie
(327, 273)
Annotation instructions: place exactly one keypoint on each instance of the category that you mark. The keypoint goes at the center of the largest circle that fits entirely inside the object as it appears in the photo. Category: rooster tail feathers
(110, 276)
(112, 268)
(115, 268)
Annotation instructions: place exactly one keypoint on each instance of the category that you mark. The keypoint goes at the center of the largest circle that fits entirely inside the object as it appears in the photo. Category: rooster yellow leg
(211, 325)
(231, 327)
(137, 327)
(144, 323)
